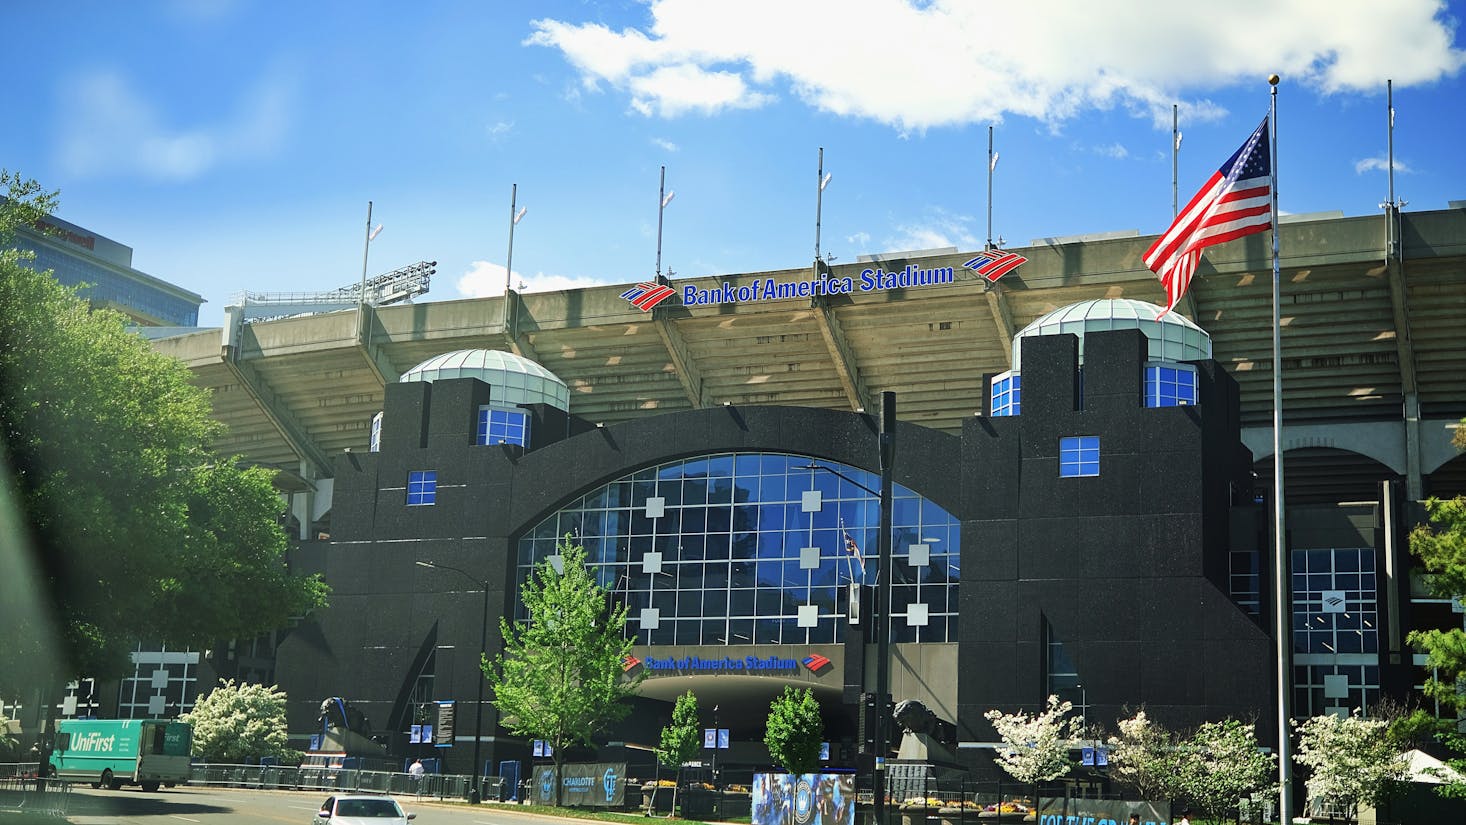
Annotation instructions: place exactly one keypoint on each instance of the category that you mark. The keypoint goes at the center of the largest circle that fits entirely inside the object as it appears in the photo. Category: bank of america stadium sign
(992, 265)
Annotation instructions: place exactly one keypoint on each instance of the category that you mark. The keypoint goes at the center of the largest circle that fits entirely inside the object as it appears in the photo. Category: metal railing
(20, 790)
(320, 778)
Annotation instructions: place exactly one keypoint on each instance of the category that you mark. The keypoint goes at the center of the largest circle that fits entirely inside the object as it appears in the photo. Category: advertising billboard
(806, 799)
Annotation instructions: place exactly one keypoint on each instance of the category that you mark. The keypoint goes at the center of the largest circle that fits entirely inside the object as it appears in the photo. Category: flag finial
(1273, 79)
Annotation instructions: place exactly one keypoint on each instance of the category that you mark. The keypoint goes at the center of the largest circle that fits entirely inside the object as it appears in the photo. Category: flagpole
(1282, 606)
(991, 164)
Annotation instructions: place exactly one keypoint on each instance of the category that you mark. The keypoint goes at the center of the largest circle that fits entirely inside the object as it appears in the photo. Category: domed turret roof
(514, 380)
(1172, 337)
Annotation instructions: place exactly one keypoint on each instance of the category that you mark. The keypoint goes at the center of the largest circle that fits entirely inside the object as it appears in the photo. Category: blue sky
(234, 144)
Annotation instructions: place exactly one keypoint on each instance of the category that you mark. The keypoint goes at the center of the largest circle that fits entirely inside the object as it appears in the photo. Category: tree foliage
(241, 723)
(140, 531)
(1144, 757)
(1220, 764)
(681, 737)
(1036, 747)
(795, 730)
(1352, 761)
(1441, 548)
(561, 675)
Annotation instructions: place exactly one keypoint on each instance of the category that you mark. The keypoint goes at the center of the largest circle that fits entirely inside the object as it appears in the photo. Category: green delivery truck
(117, 752)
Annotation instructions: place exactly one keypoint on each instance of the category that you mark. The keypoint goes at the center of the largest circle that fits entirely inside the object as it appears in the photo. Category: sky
(235, 144)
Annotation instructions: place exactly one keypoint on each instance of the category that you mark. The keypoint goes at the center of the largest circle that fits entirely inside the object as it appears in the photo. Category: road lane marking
(184, 818)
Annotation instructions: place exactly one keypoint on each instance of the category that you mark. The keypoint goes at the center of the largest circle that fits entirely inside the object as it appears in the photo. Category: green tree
(139, 531)
(795, 730)
(241, 723)
(561, 676)
(1441, 548)
(680, 740)
(1352, 761)
(1220, 764)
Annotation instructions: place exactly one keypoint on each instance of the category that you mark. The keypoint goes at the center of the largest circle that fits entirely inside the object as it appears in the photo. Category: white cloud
(674, 90)
(109, 128)
(1112, 150)
(499, 129)
(665, 145)
(938, 228)
(859, 239)
(1380, 164)
(950, 62)
(484, 279)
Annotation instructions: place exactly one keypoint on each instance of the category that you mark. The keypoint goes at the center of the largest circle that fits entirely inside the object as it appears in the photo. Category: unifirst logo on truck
(94, 742)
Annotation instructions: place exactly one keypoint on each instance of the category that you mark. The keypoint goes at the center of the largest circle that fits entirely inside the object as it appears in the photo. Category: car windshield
(367, 807)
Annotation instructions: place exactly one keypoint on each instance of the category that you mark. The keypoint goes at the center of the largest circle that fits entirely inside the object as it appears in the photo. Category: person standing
(416, 769)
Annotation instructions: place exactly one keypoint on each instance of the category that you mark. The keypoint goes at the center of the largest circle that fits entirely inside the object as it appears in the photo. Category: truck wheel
(150, 786)
(105, 779)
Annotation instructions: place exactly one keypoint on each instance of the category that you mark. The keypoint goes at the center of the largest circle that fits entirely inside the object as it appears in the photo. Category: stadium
(581, 395)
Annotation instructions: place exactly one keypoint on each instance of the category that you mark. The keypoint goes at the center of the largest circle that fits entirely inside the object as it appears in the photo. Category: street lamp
(483, 647)
(886, 442)
(514, 218)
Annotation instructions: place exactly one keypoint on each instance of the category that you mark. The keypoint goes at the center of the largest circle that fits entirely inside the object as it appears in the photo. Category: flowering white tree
(1352, 761)
(1144, 756)
(1036, 748)
(235, 723)
(1220, 764)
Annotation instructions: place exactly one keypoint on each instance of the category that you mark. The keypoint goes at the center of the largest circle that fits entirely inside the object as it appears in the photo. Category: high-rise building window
(1170, 385)
(1079, 456)
(1007, 394)
(1335, 631)
(750, 549)
(502, 426)
(422, 487)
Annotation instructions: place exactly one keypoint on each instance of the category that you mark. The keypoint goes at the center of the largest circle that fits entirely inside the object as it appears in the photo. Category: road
(236, 806)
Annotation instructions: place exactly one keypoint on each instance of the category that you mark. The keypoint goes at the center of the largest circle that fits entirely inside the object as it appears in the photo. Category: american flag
(1235, 201)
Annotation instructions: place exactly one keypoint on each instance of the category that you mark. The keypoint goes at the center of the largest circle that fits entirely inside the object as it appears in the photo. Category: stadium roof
(1362, 337)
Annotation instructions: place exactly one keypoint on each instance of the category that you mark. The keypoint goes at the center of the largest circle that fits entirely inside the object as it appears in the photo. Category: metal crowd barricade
(334, 780)
(21, 791)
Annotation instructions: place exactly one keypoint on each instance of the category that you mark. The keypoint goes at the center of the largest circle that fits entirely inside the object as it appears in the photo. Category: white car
(361, 809)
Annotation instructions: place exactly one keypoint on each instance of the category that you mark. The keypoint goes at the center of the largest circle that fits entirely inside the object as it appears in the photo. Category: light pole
(886, 441)
(663, 198)
(483, 650)
(509, 260)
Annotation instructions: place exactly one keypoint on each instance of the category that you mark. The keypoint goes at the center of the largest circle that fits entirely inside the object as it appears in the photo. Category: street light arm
(814, 466)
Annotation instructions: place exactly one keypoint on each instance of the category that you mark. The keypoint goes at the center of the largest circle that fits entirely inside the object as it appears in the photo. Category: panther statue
(915, 717)
(342, 715)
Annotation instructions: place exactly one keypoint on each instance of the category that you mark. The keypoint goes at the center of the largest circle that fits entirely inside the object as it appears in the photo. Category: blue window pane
(422, 487)
(1006, 393)
(503, 427)
(1079, 456)
(1169, 386)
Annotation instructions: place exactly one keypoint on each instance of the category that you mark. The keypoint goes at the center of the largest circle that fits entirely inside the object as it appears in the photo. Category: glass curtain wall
(750, 548)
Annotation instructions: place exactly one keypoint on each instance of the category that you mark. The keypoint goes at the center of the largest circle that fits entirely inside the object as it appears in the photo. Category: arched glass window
(751, 548)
